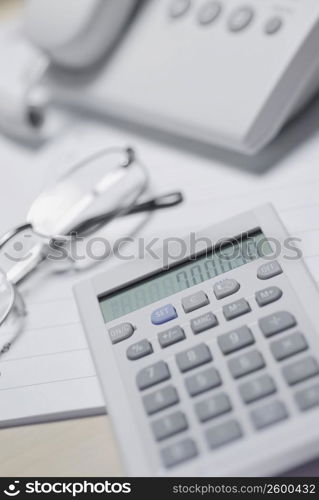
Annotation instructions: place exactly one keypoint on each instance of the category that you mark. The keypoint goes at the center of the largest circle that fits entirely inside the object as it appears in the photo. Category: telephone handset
(229, 73)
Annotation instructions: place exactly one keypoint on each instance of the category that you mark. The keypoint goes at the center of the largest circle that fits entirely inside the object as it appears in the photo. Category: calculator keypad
(211, 404)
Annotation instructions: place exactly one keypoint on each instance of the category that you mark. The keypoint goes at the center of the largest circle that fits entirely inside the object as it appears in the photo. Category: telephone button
(240, 19)
(179, 8)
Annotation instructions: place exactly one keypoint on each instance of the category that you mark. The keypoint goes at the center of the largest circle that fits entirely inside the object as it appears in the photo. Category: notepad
(49, 374)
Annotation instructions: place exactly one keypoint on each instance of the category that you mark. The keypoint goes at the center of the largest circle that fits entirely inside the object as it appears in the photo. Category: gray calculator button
(223, 434)
(121, 332)
(152, 375)
(160, 399)
(204, 322)
(213, 407)
(268, 296)
(240, 19)
(171, 336)
(225, 288)
(169, 425)
(209, 12)
(273, 25)
(269, 414)
(277, 323)
(246, 363)
(179, 452)
(269, 270)
(202, 381)
(288, 346)
(307, 398)
(195, 301)
(139, 350)
(300, 370)
(197, 356)
(257, 389)
(238, 308)
(179, 8)
(235, 340)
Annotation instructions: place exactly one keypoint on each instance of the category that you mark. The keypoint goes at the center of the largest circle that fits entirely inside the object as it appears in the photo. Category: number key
(197, 356)
(152, 375)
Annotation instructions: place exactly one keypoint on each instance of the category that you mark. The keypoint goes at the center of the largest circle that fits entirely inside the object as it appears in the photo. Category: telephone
(229, 73)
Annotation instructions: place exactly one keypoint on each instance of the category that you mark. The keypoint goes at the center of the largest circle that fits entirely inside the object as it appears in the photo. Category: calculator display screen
(222, 259)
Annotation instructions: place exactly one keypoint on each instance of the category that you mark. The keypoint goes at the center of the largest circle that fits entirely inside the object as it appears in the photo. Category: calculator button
(152, 375)
(202, 382)
(160, 399)
(270, 414)
(163, 314)
(179, 8)
(269, 270)
(277, 323)
(195, 301)
(170, 425)
(307, 398)
(288, 346)
(139, 350)
(203, 323)
(179, 452)
(257, 389)
(268, 296)
(171, 336)
(246, 363)
(209, 12)
(225, 288)
(235, 340)
(300, 370)
(197, 356)
(213, 407)
(238, 308)
(273, 25)
(121, 332)
(240, 19)
(223, 434)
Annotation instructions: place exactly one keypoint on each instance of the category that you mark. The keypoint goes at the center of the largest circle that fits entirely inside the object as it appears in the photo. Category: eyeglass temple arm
(158, 203)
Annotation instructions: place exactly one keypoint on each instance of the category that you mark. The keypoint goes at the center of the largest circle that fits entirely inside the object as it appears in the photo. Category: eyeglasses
(101, 188)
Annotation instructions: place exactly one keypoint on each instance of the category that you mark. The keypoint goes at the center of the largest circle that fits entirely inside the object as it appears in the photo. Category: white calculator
(209, 362)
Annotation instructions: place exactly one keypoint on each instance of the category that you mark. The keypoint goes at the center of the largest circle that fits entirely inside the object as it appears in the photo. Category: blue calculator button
(163, 314)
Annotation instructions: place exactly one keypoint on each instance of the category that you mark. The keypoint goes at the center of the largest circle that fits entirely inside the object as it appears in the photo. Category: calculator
(208, 359)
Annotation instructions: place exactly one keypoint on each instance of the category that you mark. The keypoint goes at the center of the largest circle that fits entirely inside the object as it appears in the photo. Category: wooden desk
(83, 447)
